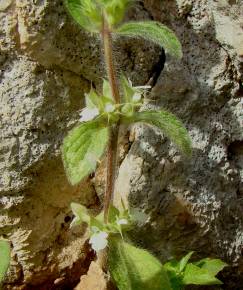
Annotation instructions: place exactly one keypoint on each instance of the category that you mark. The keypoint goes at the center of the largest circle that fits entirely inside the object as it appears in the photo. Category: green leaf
(82, 148)
(213, 266)
(96, 223)
(4, 258)
(115, 10)
(81, 214)
(113, 214)
(183, 262)
(107, 90)
(86, 13)
(168, 123)
(199, 276)
(128, 90)
(92, 100)
(172, 265)
(132, 268)
(172, 269)
(155, 32)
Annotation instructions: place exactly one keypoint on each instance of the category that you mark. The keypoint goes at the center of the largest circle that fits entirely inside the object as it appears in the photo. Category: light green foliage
(202, 272)
(132, 268)
(118, 221)
(4, 258)
(103, 104)
(115, 10)
(198, 276)
(132, 96)
(184, 261)
(85, 13)
(168, 123)
(89, 13)
(155, 32)
(82, 148)
(80, 214)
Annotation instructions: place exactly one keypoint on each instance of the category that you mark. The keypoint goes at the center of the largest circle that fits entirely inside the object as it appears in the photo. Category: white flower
(99, 241)
(122, 222)
(109, 108)
(136, 97)
(88, 114)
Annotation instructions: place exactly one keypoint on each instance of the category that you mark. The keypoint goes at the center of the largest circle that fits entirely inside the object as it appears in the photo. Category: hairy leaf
(4, 258)
(199, 276)
(155, 32)
(115, 10)
(85, 13)
(132, 268)
(168, 123)
(82, 148)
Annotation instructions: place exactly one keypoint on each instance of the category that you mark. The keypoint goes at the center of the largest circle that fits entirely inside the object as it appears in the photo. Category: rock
(193, 203)
(94, 280)
(47, 64)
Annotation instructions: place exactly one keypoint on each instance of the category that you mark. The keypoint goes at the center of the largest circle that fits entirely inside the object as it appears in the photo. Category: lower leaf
(168, 123)
(82, 148)
(135, 269)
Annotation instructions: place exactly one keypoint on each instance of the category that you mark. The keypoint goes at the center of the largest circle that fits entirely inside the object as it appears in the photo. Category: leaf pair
(85, 144)
(89, 14)
(202, 272)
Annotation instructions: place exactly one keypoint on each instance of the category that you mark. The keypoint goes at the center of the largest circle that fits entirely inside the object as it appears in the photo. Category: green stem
(114, 132)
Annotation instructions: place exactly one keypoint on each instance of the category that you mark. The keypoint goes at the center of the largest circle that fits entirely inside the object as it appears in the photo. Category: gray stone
(193, 203)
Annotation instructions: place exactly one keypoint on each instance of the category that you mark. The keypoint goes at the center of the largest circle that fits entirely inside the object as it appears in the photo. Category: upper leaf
(115, 10)
(155, 32)
(82, 148)
(85, 13)
(89, 13)
(4, 258)
(134, 268)
(168, 123)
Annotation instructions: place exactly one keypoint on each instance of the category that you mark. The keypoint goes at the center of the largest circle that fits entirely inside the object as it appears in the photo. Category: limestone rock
(193, 203)
(94, 280)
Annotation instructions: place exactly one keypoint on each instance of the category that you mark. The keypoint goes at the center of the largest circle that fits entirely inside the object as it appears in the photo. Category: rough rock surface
(197, 203)
(46, 64)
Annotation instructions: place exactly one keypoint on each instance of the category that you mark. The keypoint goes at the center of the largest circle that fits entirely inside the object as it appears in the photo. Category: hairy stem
(109, 62)
(114, 132)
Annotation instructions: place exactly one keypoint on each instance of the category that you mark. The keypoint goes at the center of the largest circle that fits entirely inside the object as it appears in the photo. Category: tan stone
(94, 280)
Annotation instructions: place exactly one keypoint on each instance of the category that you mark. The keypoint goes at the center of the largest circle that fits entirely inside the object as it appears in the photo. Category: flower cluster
(104, 107)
